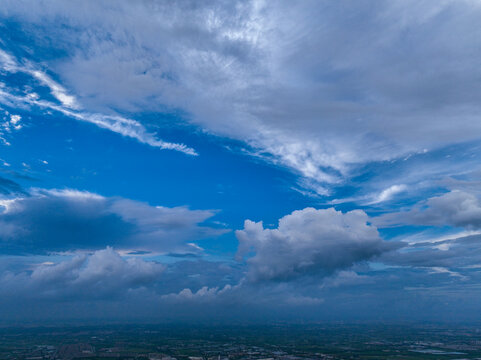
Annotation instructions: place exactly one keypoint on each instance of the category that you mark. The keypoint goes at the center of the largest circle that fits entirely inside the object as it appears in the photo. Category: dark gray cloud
(105, 285)
(453, 253)
(109, 276)
(309, 241)
(67, 220)
(102, 274)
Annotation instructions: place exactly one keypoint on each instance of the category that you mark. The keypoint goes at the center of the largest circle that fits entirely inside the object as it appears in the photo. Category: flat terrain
(286, 342)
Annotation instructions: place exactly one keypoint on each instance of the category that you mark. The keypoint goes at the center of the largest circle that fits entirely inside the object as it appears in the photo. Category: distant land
(276, 342)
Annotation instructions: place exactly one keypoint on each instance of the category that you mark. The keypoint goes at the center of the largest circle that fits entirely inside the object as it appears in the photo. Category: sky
(227, 161)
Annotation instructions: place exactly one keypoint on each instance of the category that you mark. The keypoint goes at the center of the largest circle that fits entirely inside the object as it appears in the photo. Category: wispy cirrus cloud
(70, 107)
(247, 71)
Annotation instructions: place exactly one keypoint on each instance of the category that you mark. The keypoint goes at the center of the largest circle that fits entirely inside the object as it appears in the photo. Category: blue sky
(241, 160)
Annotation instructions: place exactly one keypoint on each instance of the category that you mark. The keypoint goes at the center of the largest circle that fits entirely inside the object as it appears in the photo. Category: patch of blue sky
(85, 157)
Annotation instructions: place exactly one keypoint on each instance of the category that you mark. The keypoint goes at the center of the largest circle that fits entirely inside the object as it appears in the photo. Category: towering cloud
(309, 241)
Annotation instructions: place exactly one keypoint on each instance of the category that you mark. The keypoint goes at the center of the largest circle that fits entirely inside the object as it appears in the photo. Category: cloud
(204, 294)
(105, 285)
(57, 90)
(304, 301)
(8, 186)
(9, 124)
(67, 220)
(455, 208)
(388, 193)
(346, 278)
(104, 273)
(69, 107)
(248, 71)
(454, 253)
(309, 241)
(11, 65)
(351, 90)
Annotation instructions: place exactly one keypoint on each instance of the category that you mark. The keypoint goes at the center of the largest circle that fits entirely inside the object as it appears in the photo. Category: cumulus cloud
(100, 274)
(10, 123)
(455, 208)
(259, 72)
(63, 220)
(309, 241)
(204, 294)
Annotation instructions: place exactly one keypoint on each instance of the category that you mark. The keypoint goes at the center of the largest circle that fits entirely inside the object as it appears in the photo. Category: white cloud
(7, 61)
(428, 238)
(204, 294)
(259, 72)
(387, 194)
(9, 124)
(15, 119)
(442, 270)
(309, 241)
(70, 107)
(10, 64)
(58, 91)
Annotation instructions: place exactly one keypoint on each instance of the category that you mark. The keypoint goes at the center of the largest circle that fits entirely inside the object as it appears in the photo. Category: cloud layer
(100, 274)
(371, 106)
(68, 106)
(312, 90)
(455, 208)
(67, 220)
